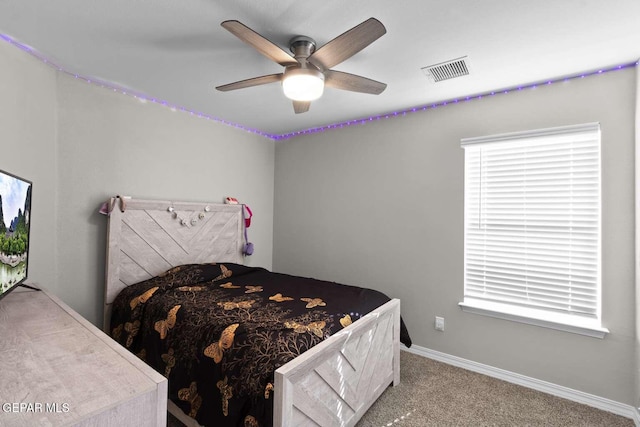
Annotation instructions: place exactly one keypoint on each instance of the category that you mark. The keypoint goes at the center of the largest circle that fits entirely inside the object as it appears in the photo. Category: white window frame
(493, 303)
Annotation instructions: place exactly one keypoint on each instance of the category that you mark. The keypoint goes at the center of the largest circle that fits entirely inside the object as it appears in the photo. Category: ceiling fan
(308, 71)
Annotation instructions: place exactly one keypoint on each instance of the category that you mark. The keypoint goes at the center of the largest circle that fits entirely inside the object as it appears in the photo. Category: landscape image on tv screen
(15, 211)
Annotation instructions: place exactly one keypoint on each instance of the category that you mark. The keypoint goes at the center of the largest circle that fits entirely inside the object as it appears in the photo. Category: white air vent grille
(447, 70)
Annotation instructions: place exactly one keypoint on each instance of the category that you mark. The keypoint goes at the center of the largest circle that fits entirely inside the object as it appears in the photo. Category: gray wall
(28, 148)
(637, 158)
(381, 205)
(82, 144)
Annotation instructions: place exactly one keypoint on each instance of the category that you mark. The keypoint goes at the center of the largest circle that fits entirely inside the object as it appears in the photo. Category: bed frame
(332, 384)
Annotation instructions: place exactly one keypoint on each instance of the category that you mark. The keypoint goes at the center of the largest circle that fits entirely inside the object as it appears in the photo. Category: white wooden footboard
(335, 382)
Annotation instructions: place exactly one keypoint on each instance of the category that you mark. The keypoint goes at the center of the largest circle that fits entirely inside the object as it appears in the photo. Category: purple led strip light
(403, 113)
(140, 96)
(340, 125)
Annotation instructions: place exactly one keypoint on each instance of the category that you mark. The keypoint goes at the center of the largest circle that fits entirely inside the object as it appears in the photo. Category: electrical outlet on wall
(439, 325)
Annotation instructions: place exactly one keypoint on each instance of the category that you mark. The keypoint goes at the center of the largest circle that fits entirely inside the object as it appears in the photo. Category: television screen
(15, 213)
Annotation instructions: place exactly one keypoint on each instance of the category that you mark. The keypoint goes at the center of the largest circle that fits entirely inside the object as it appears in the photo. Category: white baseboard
(598, 402)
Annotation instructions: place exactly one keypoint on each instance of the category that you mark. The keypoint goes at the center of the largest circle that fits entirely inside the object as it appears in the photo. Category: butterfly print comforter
(219, 331)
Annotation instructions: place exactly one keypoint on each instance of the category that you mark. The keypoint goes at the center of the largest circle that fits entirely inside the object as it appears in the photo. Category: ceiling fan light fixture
(303, 84)
(305, 72)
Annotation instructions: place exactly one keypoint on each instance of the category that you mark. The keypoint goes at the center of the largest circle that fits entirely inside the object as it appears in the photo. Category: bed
(309, 356)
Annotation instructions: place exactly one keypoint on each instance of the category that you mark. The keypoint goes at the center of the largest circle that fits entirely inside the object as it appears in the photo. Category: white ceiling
(176, 51)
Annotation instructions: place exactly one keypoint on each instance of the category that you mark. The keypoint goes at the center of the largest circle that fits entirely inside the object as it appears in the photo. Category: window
(532, 227)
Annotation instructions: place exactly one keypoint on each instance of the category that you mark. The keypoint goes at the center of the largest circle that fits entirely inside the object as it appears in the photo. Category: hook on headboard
(123, 203)
(107, 207)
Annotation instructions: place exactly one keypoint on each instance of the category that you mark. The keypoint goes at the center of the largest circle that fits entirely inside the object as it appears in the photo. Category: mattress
(219, 331)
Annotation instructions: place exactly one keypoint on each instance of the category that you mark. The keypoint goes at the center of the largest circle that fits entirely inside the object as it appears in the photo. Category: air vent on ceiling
(447, 70)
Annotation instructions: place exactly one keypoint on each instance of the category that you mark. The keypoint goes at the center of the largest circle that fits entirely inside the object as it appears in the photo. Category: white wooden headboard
(148, 237)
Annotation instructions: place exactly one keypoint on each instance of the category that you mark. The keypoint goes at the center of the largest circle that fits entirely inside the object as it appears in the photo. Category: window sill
(531, 317)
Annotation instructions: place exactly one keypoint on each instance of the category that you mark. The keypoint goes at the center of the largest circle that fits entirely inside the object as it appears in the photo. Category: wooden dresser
(57, 369)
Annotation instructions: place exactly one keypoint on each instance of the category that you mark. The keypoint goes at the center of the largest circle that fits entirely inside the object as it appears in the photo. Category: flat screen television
(15, 218)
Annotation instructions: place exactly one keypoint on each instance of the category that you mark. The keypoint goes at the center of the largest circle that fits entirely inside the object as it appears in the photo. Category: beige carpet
(436, 394)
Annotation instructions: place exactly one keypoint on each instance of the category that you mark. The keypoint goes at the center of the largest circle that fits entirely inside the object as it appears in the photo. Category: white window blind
(532, 221)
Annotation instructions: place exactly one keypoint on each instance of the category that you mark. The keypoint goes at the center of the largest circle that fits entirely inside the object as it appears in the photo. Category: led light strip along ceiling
(394, 114)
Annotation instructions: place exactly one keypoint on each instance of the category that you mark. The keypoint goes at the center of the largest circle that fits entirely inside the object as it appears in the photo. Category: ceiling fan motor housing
(302, 46)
